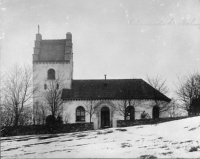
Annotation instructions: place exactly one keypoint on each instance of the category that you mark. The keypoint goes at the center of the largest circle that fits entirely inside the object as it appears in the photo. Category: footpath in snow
(174, 139)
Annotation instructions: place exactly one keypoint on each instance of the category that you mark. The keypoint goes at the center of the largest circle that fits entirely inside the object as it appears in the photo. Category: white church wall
(69, 109)
(145, 105)
(164, 114)
(62, 71)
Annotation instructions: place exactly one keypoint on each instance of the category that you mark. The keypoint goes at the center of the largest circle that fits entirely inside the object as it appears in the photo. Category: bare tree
(90, 108)
(123, 105)
(6, 116)
(159, 84)
(67, 117)
(26, 116)
(175, 109)
(17, 90)
(40, 113)
(188, 89)
(52, 95)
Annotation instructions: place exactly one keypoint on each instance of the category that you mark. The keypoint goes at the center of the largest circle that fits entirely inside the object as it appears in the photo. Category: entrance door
(105, 117)
(156, 111)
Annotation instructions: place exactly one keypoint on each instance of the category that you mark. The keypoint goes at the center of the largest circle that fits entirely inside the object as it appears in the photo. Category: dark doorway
(156, 112)
(105, 117)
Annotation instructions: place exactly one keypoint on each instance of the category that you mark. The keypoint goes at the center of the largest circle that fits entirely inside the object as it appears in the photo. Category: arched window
(156, 112)
(130, 113)
(80, 114)
(51, 74)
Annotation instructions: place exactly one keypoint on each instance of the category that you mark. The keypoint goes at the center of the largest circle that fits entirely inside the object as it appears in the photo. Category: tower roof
(56, 50)
(52, 50)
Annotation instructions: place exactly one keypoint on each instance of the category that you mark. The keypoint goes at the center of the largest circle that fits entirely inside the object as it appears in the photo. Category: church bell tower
(56, 55)
(52, 60)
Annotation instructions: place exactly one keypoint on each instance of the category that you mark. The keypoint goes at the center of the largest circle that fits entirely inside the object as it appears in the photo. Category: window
(130, 113)
(51, 74)
(80, 114)
(45, 86)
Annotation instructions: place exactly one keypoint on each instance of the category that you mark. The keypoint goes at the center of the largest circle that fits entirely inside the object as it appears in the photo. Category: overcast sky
(120, 38)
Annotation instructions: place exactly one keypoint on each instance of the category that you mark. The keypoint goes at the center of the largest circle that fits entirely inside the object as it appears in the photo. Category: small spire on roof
(105, 84)
(38, 29)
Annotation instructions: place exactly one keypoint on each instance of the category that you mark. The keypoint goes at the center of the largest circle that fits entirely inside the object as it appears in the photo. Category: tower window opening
(45, 86)
(51, 74)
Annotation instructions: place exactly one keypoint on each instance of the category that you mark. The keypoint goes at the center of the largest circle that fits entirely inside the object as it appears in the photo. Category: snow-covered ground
(172, 139)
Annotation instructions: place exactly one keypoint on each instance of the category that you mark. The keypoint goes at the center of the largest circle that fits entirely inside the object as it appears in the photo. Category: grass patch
(121, 129)
(23, 139)
(99, 133)
(81, 144)
(81, 135)
(110, 131)
(166, 153)
(105, 132)
(139, 127)
(165, 146)
(123, 145)
(12, 149)
(47, 137)
(38, 144)
(193, 148)
(148, 157)
(92, 137)
(142, 147)
(29, 153)
(66, 140)
(192, 129)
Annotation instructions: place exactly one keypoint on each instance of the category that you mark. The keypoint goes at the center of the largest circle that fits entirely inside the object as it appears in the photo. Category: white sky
(120, 38)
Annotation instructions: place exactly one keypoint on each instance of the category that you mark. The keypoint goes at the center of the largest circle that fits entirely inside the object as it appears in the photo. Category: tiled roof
(112, 89)
(52, 50)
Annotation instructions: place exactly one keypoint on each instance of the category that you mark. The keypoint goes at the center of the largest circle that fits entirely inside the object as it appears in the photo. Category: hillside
(172, 139)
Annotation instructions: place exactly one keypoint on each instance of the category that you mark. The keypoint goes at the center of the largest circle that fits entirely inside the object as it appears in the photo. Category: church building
(102, 101)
